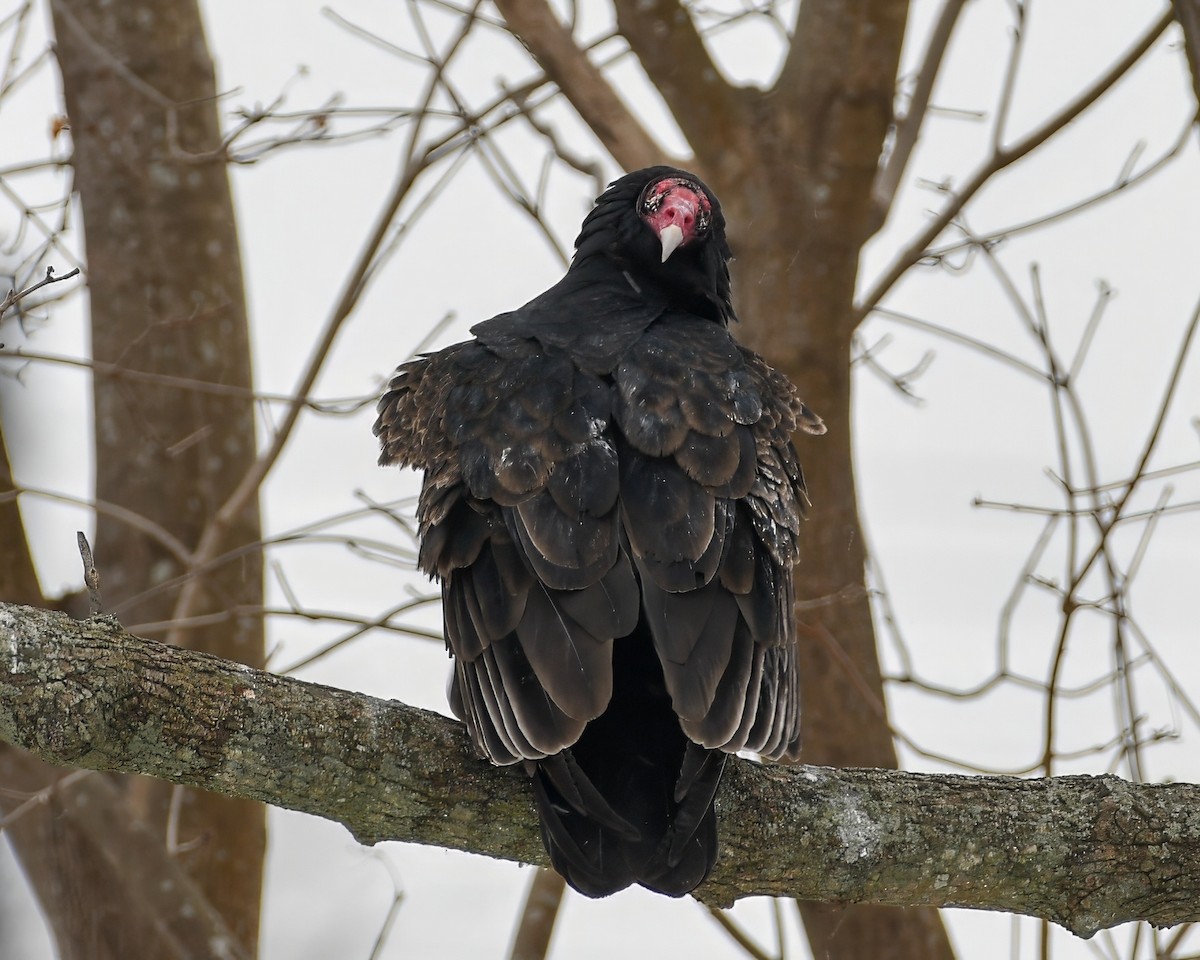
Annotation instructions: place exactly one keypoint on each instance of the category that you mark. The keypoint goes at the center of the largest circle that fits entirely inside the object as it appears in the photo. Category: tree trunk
(165, 281)
(800, 204)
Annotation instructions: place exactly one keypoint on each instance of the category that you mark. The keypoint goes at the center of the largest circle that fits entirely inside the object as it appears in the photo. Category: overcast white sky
(983, 429)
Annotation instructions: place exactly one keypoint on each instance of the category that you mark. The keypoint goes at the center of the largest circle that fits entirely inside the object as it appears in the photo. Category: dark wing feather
(669, 519)
(573, 666)
(777, 729)
(519, 519)
(611, 603)
(488, 737)
(538, 726)
(565, 550)
(498, 586)
(717, 727)
(718, 596)
(694, 635)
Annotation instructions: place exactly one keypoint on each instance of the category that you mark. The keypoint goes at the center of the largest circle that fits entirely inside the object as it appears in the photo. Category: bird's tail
(632, 800)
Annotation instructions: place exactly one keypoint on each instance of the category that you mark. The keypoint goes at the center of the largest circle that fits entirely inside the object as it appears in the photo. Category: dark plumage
(611, 503)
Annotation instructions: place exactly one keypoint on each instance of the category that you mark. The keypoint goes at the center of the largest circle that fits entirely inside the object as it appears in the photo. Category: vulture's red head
(678, 210)
(663, 229)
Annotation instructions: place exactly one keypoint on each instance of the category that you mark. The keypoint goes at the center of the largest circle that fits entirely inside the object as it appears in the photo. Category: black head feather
(695, 277)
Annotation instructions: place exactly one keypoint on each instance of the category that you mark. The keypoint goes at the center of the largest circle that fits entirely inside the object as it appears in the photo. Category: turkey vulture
(611, 503)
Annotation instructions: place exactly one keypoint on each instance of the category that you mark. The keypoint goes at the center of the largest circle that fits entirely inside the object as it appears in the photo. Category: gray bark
(1085, 852)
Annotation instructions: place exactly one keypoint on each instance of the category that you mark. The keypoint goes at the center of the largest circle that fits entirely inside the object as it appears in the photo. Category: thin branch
(1187, 12)
(364, 626)
(389, 920)
(581, 82)
(361, 623)
(91, 577)
(955, 336)
(582, 163)
(39, 798)
(355, 285)
(908, 128)
(1009, 85)
(1140, 472)
(1164, 408)
(1003, 157)
(1123, 182)
(145, 525)
(708, 109)
(751, 949)
(15, 296)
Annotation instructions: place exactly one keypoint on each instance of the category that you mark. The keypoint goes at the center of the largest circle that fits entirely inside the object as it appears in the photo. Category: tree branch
(417, 159)
(1187, 13)
(1086, 852)
(908, 127)
(15, 296)
(581, 82)
(1006, 156)
(707, 108)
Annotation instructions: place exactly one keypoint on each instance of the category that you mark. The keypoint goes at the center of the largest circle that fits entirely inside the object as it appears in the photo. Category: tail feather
(694, 793)
(632, 800)
(567, 788)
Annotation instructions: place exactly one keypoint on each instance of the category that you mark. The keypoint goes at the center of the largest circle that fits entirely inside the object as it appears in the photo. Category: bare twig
(1010, 76)
(415, 164)
(334, 406)
(577, 161)
(908, 128)
(389, 920)
(1187, 12)
(145, 525)
(1003, 157)
(15, 296)
(1124, 181)
(41, 797)
(91, 576)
